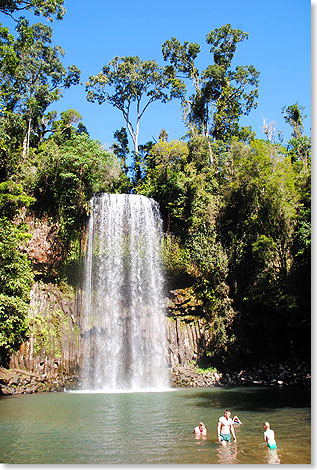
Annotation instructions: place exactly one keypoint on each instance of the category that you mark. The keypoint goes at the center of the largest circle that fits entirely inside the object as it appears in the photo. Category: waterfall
(123, 331)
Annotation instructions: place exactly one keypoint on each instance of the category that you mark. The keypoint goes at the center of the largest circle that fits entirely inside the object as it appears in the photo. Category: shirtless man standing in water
(225, 429)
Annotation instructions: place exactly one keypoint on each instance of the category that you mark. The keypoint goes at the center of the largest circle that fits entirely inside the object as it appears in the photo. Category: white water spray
(124, 331)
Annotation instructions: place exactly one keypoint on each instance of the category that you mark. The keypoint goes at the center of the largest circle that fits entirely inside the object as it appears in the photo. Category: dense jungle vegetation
(236, 208)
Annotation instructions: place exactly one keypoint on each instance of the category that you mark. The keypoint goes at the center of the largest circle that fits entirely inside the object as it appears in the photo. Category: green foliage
(11, 125)
(165, 179)
(179, 176)
(300, 272)
(299, 146)
(46, 8)
(15, 271)
(175, 257)
(69, 175)
(293, 115)
(13, 324)
(132, 80)
(207, 370)
(236, 210)
(257, 222)
(11, 137)
(262, 197)
(12, 198)
(32, 78)
(49, 332)
(129, 83)
(63, 129)
(121, 150)
(238, 236)
(16, 279)
(222, 94)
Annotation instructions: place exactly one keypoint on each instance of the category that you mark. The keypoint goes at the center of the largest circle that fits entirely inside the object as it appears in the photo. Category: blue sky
(92, 33)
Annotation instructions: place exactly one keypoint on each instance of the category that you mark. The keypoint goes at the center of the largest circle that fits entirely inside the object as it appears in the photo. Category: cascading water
(123, 316)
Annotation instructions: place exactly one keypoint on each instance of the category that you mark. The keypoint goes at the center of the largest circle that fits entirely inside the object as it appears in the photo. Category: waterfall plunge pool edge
(154, 428)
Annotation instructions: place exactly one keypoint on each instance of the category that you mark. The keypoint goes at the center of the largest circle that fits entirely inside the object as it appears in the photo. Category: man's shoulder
(226, 421)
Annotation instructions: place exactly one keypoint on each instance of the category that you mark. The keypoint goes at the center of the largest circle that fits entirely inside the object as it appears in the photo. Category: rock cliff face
(54, 344)
(50, 360)
(44, 248)
(54, 351)
(52, 357)
(186, 341)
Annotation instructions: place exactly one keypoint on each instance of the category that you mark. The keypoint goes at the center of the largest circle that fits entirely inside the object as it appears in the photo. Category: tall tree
(46, 8)
(182, 59)
(121, 148)
(128, 82)
(64, 128)
(37, 78)
(300, 145)
(222, 94)
(259, 215)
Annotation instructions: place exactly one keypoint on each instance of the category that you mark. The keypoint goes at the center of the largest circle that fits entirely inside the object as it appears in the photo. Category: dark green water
(153, 428)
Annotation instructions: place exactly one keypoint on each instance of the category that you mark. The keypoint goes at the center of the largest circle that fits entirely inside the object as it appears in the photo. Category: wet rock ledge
(16, 381)
(263, 375)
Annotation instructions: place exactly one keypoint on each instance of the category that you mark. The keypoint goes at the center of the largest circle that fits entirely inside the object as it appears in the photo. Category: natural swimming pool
(154, 428)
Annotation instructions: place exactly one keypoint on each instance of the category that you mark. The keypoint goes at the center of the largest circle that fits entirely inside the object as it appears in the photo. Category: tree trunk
(26, 141)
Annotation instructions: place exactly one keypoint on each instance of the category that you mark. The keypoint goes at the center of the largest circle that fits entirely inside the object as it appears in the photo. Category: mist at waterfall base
(123, 332)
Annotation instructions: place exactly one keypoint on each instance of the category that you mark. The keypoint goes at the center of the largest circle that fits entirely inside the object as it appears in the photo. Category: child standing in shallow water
(269, 436)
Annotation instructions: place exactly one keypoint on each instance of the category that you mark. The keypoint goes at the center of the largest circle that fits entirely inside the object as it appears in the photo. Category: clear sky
(94, 32)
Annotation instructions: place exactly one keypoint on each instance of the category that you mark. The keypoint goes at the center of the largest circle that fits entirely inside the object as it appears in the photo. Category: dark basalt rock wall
(186, 341)
(50, 360)
(54, 343)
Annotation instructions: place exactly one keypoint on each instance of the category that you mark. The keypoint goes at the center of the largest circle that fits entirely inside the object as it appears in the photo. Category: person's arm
(265, 436)
(218, 429)
(233, 433)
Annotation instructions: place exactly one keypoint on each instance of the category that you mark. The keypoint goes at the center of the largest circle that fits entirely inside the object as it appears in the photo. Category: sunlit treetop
(47, 8)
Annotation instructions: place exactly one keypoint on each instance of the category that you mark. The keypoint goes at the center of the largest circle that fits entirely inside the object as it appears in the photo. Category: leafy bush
(16, 279)
(13, 324)
(12, 198)
(16, 276)
(68, 176)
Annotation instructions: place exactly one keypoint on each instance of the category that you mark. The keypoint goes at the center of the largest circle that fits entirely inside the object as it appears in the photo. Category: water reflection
(227, 454)
(252, 398)
(144, 428)
(272, 457)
